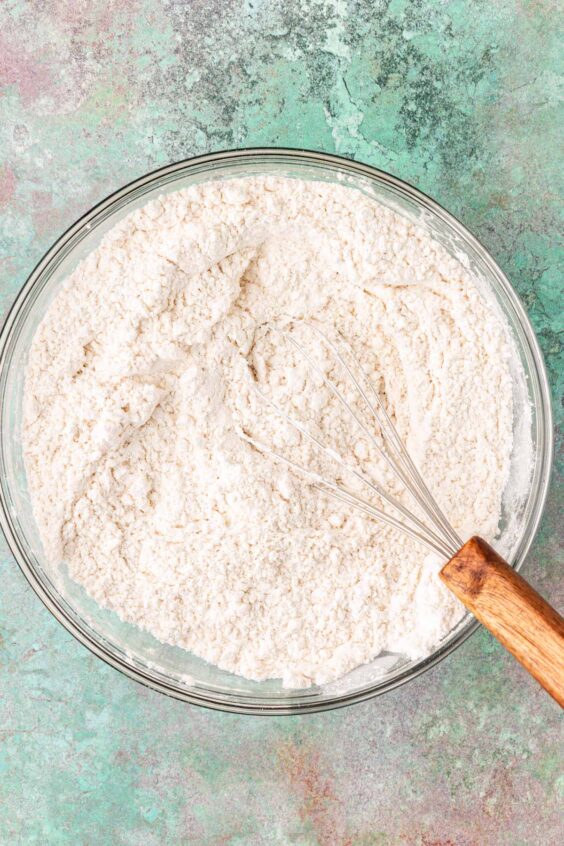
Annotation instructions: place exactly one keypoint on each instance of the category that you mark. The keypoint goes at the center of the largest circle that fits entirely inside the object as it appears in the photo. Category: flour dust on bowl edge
(172, 670)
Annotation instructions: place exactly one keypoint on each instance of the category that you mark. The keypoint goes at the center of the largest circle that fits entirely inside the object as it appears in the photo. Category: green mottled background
(459, 98)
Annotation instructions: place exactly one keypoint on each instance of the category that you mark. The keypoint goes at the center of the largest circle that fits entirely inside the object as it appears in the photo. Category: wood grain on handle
(512, 611)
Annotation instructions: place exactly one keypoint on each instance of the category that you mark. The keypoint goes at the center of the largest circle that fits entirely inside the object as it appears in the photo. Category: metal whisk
(435, 532)
(499, 597)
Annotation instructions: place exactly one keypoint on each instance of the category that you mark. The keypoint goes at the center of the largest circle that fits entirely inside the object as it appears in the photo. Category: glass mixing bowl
(172, 670)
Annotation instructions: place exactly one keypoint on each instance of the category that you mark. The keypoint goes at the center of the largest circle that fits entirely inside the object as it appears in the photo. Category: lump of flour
(137, 391)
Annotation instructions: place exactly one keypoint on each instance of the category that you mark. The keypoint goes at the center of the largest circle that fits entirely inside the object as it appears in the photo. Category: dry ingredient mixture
(137, 390)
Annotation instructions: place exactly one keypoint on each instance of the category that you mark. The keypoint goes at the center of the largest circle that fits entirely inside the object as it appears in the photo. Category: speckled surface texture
(459, 99)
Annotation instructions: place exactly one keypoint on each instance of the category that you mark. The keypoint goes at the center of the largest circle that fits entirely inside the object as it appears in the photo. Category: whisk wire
(341, 494)
(334, 456)
(414, 479)
(416, 494)
(441, 538)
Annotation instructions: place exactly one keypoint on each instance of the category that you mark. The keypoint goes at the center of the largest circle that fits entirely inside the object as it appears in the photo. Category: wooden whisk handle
(512, 610)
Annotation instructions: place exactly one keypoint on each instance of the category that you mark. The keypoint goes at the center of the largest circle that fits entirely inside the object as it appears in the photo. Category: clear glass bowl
(169, 669)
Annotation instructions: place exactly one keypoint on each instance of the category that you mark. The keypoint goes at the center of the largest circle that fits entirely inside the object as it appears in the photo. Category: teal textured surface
(459, 99)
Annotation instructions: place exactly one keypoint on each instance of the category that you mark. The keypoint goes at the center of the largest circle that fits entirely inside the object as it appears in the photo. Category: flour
(137, 391)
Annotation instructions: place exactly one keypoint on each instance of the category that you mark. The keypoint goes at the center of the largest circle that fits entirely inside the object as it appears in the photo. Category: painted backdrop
(459, 98)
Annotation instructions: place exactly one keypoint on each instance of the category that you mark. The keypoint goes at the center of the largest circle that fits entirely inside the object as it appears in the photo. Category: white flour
(136, 391)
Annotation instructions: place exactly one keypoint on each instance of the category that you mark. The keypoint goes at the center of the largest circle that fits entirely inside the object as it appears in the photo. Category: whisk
(498, 597)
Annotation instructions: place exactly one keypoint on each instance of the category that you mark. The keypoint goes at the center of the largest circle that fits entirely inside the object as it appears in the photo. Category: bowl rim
(234, 703)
